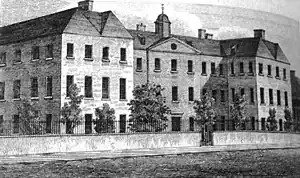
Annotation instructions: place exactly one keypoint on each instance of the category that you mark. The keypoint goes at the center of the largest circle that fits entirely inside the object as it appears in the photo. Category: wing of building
(41, 57)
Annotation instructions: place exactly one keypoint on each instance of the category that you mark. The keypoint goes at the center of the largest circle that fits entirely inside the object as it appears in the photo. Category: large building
(41, 57)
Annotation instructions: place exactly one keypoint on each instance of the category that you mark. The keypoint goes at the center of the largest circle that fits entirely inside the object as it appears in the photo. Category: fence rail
(10, 128)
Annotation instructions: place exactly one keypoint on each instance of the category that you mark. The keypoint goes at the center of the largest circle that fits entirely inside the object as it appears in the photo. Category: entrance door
(122, 123)
(88, 123)
(176, 123)
(206, 132)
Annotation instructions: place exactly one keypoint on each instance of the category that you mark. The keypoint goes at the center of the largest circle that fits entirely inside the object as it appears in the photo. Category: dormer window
(142, 39)
(233, 50)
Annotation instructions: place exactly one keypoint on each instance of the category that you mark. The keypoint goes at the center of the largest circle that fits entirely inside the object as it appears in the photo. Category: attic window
(142, 39)
(173, 46)
(233, 49)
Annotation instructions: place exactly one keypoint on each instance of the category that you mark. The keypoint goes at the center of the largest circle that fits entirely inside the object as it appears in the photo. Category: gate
(206, 135)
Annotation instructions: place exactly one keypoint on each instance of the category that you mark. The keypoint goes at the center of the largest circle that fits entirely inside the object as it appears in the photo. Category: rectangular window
(48, 123)
(174, 93)
(223, 123)
(49, 51)
(233, 94)
(70, 50)
(105, 87)
(214, 95)
(280, 125)
(277, 72)
(88, 51)
(252, 95)
(176, 123)
(2, 90)
(260, 69)
(242, 90)
(232, 68)
(204, 68)
(35, 52)
(122, 88)
(286, 98)
(204, 91)
(139, 64)
(88, 87)
(263, 123)
(190, 66)
(3, 58)
(221, 70)
(278, 98)
(17, 88)
(222, 96)
(173, 65)
(49, 86)
(157, 64)
(1, 124)
(16, 124)
(271, 96)
(123, 54)
(105, 53)
(250, 67)
(70, 81)
(241, 67)
(213, 68)
(34, 87)
(262, 96)
(18, 55)
(88, 123)
(122, 123)
(252, 123)
(191, 94)
(269, 70)
(192, 123)
(284, 74)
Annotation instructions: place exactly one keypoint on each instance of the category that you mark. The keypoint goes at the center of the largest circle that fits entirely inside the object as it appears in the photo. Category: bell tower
(163, 24)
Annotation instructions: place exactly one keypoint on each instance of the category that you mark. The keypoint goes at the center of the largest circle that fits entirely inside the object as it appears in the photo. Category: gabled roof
(46, 25)
(243, 46)
(105, 23)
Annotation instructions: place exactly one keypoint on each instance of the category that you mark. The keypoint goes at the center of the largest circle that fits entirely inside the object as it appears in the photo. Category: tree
(71, 111)
(205, 114)
(288, 124)
(148, 109)
(105, 119)
(238, 112)
(29, 118)
(271, 120)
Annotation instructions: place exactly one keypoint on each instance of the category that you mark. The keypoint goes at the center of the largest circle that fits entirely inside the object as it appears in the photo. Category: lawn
(266, 163)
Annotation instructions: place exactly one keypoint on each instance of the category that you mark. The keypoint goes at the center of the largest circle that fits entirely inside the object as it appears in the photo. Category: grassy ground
(265, 163)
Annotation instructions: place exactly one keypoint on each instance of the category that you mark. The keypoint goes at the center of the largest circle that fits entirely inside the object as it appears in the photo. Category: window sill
(123, 62)
(222, 75)
(232, 75)
(105, 60)
(270, 76)
(242, 74)
(2, 65)
(16, 99)
(88, 59)
(252, 103)
(49, 58)
(88, 98)
(157, 70)
(34, 98)
(105, 99)
(175, 102)
(140, 70)
(261, 74)
(204, 74)
(123, 100)
(17, 63)
(70, 57)
(213, 75)
(2, 100)
(34, 60)
(251, 74)
(191, 102)
(285, 79)
(278, 78)
(191, 73)
(271, 104)
(48, 97)
(263, 104)
(174, 72)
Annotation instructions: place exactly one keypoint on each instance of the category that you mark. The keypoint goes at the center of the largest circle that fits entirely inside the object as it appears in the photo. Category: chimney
(259, 33)
(209, 36)
(86, 5)
(141, 27)
(201, 33)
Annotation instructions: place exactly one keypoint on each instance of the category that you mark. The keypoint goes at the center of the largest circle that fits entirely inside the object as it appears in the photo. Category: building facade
(41, 57)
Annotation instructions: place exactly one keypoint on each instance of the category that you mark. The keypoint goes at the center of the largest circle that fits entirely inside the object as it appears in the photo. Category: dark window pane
(213, 68)
(286, 98)
(70, 50)
(173, 65)
(203, 67)
(88, 51)
(233, 94)
(232, 68)
(105, 53)
(1, 124)
(190, 66)
(34, 87)
(16, 124)
(174, 93)
(105, 87)
(49, 86)
(2, 90)
(251, 67)
(222, 95)
(122, 123)
(277, 72)
(241, 67)
(278, 97)
(122, 88)
(262, 96)
(191, 123)
(191, 94)
(176, 123)
(260, 68)
(48, 123)
(242, 91)
(17, 88)
(88, 87)
(3, 58)
(139, 64)
(35, 52)
(284, 73)
(88, 123)
(70, 81)
(18, 54)
(221, 70)
(157, 64)
(263, 124)
(49, 52)
(251, 95)
(271, 96)
(214, 94)
(269, 70)
(123, 54)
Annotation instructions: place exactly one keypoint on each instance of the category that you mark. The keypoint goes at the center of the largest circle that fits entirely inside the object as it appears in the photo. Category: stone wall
(80, 143)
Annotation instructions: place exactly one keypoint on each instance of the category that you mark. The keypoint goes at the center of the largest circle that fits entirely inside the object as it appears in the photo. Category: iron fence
(10, 128)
